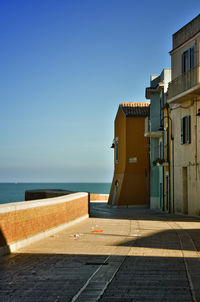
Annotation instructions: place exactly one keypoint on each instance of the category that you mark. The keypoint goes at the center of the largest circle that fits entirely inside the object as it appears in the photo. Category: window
(116, 150)
(188, 59)
(186, 130)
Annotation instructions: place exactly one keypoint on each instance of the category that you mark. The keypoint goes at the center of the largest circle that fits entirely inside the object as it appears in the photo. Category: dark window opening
(188, 59)
(186, 130)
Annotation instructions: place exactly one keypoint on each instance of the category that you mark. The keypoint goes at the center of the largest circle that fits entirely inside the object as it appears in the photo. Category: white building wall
(187, 156)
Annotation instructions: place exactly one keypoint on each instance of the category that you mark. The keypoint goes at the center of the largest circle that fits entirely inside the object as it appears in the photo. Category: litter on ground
(76, 235)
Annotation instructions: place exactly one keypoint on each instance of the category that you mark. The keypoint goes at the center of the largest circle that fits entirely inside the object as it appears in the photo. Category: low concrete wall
(99, 196)
(21, 223)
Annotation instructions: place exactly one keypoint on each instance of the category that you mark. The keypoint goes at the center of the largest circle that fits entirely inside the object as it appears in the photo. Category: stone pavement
(116, 255)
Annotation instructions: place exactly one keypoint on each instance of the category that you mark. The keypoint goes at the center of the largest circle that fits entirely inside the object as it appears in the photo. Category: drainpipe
(196, 143)
(171, 172)
(168, 159)
(172, 143)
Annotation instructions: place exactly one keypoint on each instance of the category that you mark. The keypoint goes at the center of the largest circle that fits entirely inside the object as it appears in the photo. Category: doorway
(185, 190)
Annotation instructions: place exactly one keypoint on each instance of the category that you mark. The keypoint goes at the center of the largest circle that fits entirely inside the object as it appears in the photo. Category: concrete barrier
(94, 197)
(22, 223)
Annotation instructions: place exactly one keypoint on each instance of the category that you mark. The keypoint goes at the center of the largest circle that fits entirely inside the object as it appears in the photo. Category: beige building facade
(184, 101)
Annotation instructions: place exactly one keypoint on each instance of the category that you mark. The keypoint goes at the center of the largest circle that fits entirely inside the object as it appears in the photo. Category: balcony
(159, 162)
(185, 87)
(148, 132)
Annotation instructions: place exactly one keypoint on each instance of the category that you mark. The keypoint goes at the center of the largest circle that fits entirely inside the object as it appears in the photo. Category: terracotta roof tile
(135, 109)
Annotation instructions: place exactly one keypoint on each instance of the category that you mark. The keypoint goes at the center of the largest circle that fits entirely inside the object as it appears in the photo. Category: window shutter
(188, 129)
(192, 56)
(182, 130)
(188, 58)
(182, 59)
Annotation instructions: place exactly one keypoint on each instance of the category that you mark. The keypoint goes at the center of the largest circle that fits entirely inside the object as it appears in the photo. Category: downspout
(196, 143)
(168, 159)
(149, 181)
(149, 162)
(172, 142)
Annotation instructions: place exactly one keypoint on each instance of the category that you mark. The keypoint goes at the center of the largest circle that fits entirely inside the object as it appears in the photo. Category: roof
(137, 109)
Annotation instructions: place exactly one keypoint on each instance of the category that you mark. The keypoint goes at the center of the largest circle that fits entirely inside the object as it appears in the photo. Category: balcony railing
(184, 82)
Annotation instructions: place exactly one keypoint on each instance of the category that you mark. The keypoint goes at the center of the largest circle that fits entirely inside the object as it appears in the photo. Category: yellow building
(130, 185)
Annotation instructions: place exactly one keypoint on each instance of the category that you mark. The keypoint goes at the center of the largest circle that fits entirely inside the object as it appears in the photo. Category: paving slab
(118, 254)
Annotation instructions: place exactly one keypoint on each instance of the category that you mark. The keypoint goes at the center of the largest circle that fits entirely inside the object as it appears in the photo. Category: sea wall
(22, 223)
(94, 197)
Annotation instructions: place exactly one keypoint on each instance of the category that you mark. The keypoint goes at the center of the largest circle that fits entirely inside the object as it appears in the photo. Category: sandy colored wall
(22, 220)
(176, 57)
(184, 157)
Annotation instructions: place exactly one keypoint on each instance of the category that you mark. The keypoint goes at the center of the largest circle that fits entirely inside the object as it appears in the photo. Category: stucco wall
(154, 169)
(155, 111)
(120, 132)
(186, 32)
(133, 185)
(184, 157)
(176, 56)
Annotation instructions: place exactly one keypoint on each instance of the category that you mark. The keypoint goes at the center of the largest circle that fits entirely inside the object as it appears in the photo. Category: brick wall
(22, 220)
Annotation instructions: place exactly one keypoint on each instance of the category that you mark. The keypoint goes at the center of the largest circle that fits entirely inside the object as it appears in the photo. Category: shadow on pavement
(103, 210)
(162, 276)
(3, 244)
(50, 277)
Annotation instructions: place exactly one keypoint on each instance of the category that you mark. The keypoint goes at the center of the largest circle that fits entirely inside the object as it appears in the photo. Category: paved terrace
(116, 255)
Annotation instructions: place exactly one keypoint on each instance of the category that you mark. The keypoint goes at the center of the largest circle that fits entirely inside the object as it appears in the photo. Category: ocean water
(11, 192)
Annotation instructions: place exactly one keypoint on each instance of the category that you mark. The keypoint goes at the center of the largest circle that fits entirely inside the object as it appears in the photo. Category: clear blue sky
(65, 65)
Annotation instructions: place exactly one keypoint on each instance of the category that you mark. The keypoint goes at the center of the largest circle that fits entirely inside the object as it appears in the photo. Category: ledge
(24, 205)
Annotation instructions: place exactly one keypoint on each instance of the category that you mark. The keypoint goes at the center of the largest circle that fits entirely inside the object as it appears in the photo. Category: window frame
(188, 59)
(186, 130)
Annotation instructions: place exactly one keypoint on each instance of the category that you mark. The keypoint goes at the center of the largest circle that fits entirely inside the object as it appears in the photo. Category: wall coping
(91, 194)
(24, 205)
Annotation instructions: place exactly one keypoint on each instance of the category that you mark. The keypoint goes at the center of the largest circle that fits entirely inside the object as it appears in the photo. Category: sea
(13, 192)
